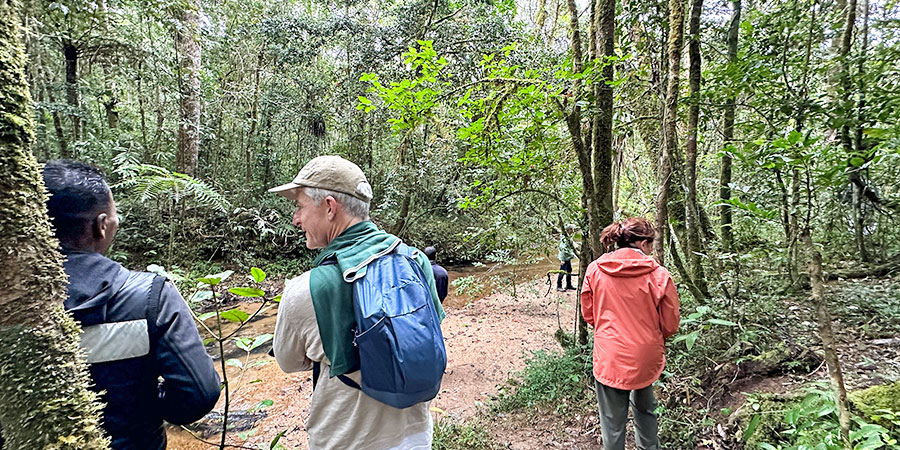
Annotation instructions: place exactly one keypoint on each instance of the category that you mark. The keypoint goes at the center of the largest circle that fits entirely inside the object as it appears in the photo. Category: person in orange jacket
(632, 303)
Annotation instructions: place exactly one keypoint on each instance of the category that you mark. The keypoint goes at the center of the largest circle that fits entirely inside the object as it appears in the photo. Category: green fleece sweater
(332, 289)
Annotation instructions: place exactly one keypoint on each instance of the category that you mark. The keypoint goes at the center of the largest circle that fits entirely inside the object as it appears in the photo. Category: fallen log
(875, 271)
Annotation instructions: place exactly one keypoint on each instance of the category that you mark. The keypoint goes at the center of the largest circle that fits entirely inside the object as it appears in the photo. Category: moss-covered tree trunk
(602, 129)
(694, 247)
(728, 133)
(670, 118)
(43, 388)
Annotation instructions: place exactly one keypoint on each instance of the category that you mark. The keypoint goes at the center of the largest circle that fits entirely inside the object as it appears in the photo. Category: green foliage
(681, 426)
(153, 183)
(808, 421)
(699, 323)
(411, 100)
(561, 380)
(451, 435)
(467, 286)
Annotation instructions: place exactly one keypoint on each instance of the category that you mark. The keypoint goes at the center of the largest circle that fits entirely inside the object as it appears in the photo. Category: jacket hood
(93, 281)
(626, 263)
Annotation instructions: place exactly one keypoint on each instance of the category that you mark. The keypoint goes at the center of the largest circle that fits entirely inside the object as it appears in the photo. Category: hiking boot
(559, 289)
(571, 288)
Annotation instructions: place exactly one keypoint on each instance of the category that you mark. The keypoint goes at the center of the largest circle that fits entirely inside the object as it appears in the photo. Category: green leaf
(261, 405)
(277, 438)
(260, 340)
(751, 428)
(208, 341)
(247, 292)
(243, 343)
(277, 298)
(234, 362)
(215, 279)
(235, 315)
(206, 315)
(856, 161)
(691, 338)
(200, 296)
(723, 322)
(258, 275)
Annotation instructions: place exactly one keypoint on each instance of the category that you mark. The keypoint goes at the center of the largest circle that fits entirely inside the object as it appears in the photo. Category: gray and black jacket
(143, 349)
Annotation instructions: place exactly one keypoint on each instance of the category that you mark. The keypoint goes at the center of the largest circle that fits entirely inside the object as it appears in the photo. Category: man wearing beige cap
(314, 328)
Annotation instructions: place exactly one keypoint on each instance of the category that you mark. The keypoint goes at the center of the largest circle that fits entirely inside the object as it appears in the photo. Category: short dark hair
(78, 192)
(430, 252)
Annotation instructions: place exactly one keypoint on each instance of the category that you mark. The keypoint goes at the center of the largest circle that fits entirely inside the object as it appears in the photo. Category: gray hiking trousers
(613, 405)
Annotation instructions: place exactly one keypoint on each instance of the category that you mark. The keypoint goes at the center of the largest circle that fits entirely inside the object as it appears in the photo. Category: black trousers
(567, 267)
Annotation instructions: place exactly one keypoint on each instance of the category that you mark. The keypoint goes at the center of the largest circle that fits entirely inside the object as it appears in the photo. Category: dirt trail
(486, 341)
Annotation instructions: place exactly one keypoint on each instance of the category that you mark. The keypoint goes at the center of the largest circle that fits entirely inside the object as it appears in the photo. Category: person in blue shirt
(441, 278)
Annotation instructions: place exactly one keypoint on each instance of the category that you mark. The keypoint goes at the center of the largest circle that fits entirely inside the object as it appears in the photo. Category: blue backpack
(398, 333)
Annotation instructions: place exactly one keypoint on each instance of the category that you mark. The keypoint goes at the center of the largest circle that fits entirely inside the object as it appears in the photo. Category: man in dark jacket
(441, 278)
(142, 345)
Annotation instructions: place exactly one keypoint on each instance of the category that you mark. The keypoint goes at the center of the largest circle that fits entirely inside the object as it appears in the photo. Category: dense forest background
(762, 137)
(458, 112)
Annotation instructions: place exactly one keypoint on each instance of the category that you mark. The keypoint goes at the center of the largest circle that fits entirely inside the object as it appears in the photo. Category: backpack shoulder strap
(317, 371)
(156, 287)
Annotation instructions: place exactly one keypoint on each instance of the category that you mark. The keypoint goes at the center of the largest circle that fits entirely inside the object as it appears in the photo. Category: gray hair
(354, 206)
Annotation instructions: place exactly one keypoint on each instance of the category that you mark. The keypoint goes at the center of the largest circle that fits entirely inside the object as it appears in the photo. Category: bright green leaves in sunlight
(235, 315)
(214, 280)
(258, 275)
(410, 100)
(247, 292)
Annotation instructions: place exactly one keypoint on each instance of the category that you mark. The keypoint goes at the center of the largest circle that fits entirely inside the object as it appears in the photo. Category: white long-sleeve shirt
(340, 417)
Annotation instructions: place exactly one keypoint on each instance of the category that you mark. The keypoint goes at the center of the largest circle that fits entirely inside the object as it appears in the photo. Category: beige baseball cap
(329, 172)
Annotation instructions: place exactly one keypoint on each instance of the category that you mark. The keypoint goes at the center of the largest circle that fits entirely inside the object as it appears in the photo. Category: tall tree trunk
(826, 334)
(725, 220)
(602, 128)
(670, 117)
(254, 119)
(694, 246)
(142, 110)
(187, 155)
(46, 402)
(858, 195)
(111, 103)
(794, 223)
(591, 245)
(46, 81)
(70, 51)
(793, 237)
(844, 121)
(541, 17)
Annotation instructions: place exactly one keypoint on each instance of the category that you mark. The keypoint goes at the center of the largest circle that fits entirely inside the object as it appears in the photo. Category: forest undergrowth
(758, 382)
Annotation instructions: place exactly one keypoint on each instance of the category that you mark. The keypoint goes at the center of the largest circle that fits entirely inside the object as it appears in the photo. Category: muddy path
(487, 338)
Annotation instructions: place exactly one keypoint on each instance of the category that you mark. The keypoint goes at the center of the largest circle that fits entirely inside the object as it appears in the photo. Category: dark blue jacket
(441, 280)
(143, 350)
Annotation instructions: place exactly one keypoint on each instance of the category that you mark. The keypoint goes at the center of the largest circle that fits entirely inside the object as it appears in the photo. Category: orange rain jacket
(632, 303)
